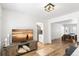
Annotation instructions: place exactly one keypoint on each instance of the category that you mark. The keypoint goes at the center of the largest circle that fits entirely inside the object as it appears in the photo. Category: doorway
(64, 30)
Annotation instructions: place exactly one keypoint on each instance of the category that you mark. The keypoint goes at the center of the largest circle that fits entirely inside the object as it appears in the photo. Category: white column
(49, 32)
(78, 31)
(47, 38)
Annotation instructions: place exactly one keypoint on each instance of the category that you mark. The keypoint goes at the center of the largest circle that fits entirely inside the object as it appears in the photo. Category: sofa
(69, 50)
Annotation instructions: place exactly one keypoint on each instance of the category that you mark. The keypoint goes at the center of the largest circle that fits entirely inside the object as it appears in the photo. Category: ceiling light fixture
(49, 7)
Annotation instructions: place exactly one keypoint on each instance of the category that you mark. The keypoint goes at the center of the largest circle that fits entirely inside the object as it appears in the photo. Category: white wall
(14, 20)
(0, 25)
(57, 30)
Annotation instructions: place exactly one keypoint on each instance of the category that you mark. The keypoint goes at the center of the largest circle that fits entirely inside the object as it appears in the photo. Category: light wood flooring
(56, 48)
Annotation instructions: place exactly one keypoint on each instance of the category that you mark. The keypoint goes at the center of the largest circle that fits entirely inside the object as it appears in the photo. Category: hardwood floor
(57, 48)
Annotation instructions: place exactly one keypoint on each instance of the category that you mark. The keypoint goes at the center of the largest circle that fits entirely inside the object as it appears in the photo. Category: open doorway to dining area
(64, 35)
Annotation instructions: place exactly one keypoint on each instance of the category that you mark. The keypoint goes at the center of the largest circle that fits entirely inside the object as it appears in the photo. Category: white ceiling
(37, 9)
